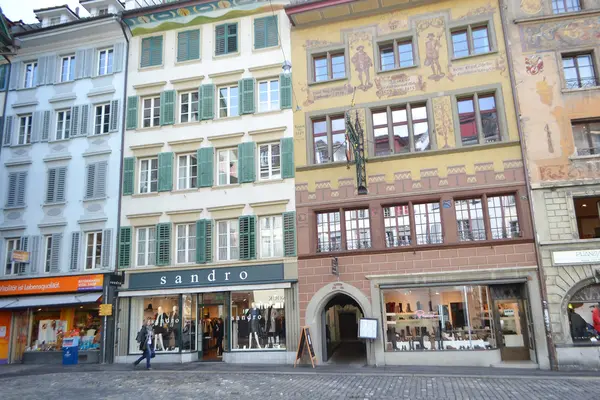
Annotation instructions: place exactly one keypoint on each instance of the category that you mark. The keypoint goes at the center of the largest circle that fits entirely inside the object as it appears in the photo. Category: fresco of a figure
(432, 56)
(362, 64)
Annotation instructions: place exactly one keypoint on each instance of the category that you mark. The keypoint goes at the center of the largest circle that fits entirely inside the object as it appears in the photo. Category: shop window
(471, 40)
(579, 71)
(93, 250)
(329, 232)
(584, 315)
(329, 66)
(11, 267)
(469, 219)
(586, 213)
(186, 243)
(228, 167)
(397, 226)
(478, 119)
(329, 138)
(146, 246)
(428, 224)
(271, 236)
(586, 135)
(358, 229)
(401, 129)
(258, 320)
(439, 318)
(228, 240)
(564, 6)
(504, 221)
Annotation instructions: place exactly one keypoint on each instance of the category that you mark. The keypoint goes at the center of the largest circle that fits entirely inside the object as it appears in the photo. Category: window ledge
(322, 166)
(547, 17)
(94, 135)
(21, 145)
(151, 68)
(228, 55)
(151, 194)
(60, 203)
(382, 72)
(493, 51)
(26, 88)
(344, 79)
(101, 76)
(584, 158)
(233, 118)
(150, 128)
(96, 153)
(180, 191)
(186, 62)
(59, 140)
(94, 199)
(224, 187)
(15, 208)
(64, 82)
(276, 111)
(184, 124)
(268, 182)
(579, 90)
(265, 49)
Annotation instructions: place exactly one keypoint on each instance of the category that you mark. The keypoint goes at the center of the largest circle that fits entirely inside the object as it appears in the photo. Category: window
(146, 246)
(228, 167)
(47, 253)
(63, 124)
(271, 236)
(397, 129)
(149, 175)
(57, 179)
(397, 226)
(428, 225)
(469, 219)
(186, 243)
(227, 244)
(265, 32)
(329, 66)
(396, 54)
(228, 101)
(187, 171)
(151, 111)
(470, 41)
(67, 72)
(105, 62)
(30, 74)
(329, 135)
(54, 21)
(358, 230)
(102, 119)
(586, 214)
(226, 39)
(188, 107)
(587, 137)
(329, 232)
(268, 95)
(579, 71)
(188, 45)
(478, 119)
(93, 250)
(152, 51)
(103, 11)
(504, 222)
(11, 268)
(3, 76)
(270, 161)
(25, 126)
(17, 182)
(563, 6)
(96, 180)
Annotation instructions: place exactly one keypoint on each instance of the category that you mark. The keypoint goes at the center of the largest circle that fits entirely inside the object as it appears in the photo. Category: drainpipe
(540, 272)
(5, 99)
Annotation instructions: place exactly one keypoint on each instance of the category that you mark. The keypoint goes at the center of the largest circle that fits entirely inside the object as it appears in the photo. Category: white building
(208, 215)
(59, 175)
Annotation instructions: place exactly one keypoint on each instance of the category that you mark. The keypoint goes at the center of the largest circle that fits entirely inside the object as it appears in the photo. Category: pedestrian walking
(145, 338)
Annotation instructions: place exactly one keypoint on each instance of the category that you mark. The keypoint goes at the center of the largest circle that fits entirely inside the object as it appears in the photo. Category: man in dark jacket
(145, 338)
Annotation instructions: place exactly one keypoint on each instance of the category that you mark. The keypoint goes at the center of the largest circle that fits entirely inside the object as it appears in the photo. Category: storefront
(233, 314)
(37, 314)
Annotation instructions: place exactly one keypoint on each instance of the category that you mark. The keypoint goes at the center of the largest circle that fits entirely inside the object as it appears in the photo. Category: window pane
(320, 142)
(420, 128)
(502, 212)
(397, 226)
(428, 224)
(468, 122)
(469, 218)
(481, 43)
(321, 69)
(587, 138)
(387, 58)
(338, 66)
(338, 138)
(329, 234)
(358, 231)
(460, 44)
(489, 119)
(405, 53)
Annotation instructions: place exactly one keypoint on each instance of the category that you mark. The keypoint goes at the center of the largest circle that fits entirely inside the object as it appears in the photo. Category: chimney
(77, 11)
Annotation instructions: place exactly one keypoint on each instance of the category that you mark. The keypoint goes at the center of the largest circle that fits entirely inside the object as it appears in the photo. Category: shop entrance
(340, 319)
(512, 321)
(212, 327)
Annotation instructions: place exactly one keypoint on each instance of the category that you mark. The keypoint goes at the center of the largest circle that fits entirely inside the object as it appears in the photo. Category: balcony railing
(589, 151)
(579, 83)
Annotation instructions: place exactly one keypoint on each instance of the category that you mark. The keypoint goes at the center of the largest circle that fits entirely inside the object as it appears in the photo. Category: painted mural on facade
(563, 34)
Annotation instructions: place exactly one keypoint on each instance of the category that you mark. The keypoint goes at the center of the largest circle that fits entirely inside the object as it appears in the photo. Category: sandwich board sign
(305, 344)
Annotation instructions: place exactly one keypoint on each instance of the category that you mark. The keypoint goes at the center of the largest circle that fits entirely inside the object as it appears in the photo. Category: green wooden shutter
(207, 101)
(128, 175)
(285, 91)
(163, 244)
(132, 112)
(167, 107)
(272, 35)
(246, 167)
(156, 50)
(289, 234)
(183, 46)
(247, 229)
(260, 33)
(220, 40)
(287, 157)
(165, 172)
(246, 92)
(125, 247)
(205, 158)
(194, 45)
(145, 54)
(203, 241)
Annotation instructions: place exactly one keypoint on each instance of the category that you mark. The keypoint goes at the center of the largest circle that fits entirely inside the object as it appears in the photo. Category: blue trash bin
(70, 351)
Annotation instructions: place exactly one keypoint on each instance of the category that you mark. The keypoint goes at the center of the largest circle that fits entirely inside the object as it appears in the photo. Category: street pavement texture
(110, 382)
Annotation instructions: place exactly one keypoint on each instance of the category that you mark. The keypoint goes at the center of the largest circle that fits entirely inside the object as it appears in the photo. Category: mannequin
(271, 317)
(174, 327)
(160, 322)
(253, 316)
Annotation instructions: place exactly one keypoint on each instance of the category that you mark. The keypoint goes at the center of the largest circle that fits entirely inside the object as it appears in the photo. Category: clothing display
(254, 317)
(160, 323)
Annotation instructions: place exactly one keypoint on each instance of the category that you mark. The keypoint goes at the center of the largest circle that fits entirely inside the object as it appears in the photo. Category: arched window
(581, 314)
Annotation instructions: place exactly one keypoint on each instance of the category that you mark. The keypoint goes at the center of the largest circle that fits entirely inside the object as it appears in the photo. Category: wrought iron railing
(579, 83)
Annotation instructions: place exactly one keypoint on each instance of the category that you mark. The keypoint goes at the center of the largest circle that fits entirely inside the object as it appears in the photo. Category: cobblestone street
(168, 383)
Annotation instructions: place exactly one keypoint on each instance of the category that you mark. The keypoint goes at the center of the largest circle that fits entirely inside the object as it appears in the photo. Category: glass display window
(165, 313)
(584, 315)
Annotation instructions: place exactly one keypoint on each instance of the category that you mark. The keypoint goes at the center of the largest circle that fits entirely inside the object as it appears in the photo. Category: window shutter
(207, 101)
(220, 40)
(51, 189)
(100, 180)
(40, 77)
(145, 56)
(114, 115)
(246, 87)
(285, 88)
(3, 76)
(128, 175)
(287, 158)
(247, 229)
(22, 183)
(125, 247)
(11, 198)
(34, 257)
(156, 50)
(163, 244)
(246, 167)
(8, 128)
(15, 75)
(22, 267)
(90, 68)
(75, 121)
(51, 74)
(85, 120)
(272, 36)
(74, 262)
(165, 172)
(45, 127)
(79, 63)
(61, 181)
(36, 126)
(232, 45)
(194, 45)
(203, 241)
(183, 39)
(289, 234)
(118, 55)
(260, 33)
(205, 157)
(55, 252)
(106, 247)
(132, 113)
(91, 176)
(167, 105)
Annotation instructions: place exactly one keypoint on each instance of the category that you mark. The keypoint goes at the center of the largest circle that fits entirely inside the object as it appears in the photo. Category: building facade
(433, 238)
(555, 60)
(207, 238)
(59, 171)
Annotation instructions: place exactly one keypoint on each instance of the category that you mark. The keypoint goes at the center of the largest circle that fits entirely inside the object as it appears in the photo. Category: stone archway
(316, 306)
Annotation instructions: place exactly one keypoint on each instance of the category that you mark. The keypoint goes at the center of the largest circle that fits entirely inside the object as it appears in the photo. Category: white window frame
(25, 128)
(148, 180)
(100, 111)
(29, 77)
(63, 117)
(274, 234)
(268, 106)
(227, 224)
(47, 253)
(97, 256)
(272, 173)
(13, 265)
(70, 68)
(186, 177)
(189, 243)
(148, 244)
(229, 162)
(230, 104)
(154, 111)
(106, 67)
(54, 21)
(103, 11)
(191, 115)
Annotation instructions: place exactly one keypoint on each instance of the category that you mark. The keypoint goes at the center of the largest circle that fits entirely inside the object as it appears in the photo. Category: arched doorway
(580, 312)
(340, 318)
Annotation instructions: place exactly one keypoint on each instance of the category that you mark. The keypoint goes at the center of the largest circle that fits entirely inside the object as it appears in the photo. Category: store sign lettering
(195, 278)
(576, 257)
